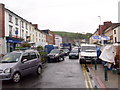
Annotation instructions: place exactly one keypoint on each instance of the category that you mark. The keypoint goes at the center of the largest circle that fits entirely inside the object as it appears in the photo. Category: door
(34, 61)
(25, 65)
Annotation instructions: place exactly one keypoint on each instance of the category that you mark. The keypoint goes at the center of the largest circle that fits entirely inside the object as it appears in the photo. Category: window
(33, 55)
(22, 33)
(115, 39)
(10, 30)
(30, 28)
(22, 24)
(36, 39)
(10, 18)
(26, 33)
(33, 38)
(36, 34)
(26, 26)
(114, 31)
(16, 21)
(25, 56)
(16, 31)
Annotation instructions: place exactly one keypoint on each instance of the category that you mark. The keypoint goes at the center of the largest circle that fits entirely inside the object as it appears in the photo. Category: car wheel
(48, 60)
(63, 58)
(81, 61)
(39, 70)
(69, 57)
(16, 77)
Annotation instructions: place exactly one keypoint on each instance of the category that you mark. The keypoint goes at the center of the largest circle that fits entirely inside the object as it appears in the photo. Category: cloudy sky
(65, 15)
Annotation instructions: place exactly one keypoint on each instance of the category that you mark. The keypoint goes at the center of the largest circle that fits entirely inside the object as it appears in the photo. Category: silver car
(20, 63)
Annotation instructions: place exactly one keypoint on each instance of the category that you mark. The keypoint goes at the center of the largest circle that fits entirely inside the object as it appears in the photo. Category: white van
(88, 53)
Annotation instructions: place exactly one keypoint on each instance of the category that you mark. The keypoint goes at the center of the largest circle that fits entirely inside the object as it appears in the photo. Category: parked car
(56, 55)
(66, 51)
(74, 54)
(17, 64)
(88, 53)
(77, 48)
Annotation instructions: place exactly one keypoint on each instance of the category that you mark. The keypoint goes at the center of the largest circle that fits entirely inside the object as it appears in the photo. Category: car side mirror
(24, 60)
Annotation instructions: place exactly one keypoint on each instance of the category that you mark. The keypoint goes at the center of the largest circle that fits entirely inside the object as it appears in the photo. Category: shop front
(12, 43)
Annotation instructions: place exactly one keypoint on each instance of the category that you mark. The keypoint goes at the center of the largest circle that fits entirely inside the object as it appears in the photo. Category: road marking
(87, 77)
(86, 82)
(89, 80)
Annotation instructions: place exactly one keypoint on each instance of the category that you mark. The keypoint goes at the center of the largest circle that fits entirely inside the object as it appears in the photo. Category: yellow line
(89, 80)
(86, 83)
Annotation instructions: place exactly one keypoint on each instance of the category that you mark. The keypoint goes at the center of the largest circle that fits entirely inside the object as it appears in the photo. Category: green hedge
(43, 56)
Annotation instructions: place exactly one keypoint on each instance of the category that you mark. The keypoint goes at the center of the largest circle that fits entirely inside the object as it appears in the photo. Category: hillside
(73, 36)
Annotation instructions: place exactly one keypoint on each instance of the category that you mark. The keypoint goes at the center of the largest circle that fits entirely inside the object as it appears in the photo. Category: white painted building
(58, 40)
(116, 34)
(16, 30)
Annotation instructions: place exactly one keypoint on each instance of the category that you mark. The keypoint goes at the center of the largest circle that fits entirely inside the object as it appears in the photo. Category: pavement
(98, 75)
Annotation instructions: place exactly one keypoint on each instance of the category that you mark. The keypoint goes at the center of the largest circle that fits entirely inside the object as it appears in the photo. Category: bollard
(105, 72)
(95, 64)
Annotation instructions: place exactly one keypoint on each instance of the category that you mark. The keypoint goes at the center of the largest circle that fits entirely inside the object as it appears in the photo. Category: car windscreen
(88, 49)
(74, 51)
(11, 58)
(55, 51)
(66, 50)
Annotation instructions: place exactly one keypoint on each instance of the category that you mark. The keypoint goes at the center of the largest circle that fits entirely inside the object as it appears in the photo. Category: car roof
(88, 45)
(22, 51)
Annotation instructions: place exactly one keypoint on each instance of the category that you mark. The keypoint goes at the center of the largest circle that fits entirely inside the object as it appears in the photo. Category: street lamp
(101, 33)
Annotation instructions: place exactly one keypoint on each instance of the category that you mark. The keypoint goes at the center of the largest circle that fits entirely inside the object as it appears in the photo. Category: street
(64, 74)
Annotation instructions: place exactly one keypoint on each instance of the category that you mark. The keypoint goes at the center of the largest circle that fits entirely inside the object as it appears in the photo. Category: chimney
(36, 26)
(108, 23)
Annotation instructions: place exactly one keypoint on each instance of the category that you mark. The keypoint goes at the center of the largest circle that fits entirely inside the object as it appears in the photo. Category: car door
(34, 61)
(25, 64)
(61, 53)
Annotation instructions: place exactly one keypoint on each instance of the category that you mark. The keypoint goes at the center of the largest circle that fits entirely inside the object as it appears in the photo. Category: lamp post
(101, 33)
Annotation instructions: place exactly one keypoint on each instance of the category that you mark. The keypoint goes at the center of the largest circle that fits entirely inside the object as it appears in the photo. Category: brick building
(50, 37)
(108, 29)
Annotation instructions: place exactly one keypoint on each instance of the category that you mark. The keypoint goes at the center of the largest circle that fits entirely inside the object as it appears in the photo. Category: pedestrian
(98, 48)
(108, 54)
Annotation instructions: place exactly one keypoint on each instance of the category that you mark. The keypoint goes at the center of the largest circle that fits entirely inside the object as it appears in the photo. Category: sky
(65, 15)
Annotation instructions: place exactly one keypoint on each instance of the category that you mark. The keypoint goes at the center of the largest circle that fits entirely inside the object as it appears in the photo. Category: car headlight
(56, 54)
(7, 70)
